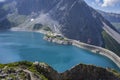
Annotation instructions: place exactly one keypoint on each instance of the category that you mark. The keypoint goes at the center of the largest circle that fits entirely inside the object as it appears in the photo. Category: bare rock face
(79, 21)
(88, 72)
(26, 7)
(48, 71)
(79, 72)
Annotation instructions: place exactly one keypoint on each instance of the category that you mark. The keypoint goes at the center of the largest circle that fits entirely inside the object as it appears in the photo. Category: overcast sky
(105, 5)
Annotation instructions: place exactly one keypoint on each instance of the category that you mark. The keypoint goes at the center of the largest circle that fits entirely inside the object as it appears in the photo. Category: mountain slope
(4, 22)
(72, 18)
(26, 7)
(112, 17)
(117, 26)
(79, 21)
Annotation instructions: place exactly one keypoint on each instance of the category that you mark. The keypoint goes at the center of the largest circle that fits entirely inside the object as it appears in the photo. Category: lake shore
(95, 49)
(99, 50)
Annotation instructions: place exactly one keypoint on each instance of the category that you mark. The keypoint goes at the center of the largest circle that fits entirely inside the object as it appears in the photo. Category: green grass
(117, 26)
(25, 65)
(115, 72)
(111, 44)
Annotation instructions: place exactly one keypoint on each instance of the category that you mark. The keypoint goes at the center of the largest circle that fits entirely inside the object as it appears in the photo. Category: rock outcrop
(42, 71)
(88, 72)
(79, 72)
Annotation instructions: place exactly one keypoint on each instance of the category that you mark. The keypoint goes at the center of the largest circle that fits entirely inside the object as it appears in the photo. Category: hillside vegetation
(111, 44)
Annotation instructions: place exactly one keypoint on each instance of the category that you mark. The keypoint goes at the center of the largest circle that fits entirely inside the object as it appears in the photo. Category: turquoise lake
(30, 46)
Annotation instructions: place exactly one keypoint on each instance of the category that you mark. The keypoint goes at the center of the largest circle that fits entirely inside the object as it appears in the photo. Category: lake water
(30, 46)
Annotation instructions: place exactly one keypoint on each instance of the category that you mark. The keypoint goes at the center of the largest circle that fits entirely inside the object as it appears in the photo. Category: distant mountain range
(72, 18)
(113, 18)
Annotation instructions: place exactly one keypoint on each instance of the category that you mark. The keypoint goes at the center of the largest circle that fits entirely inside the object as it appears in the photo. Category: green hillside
(111, 44)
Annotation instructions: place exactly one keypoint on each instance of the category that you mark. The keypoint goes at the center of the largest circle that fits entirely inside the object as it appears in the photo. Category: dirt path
(31, 74)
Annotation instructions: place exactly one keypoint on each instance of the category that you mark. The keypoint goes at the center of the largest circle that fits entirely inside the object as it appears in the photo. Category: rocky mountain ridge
(42, 71)
(112, 17)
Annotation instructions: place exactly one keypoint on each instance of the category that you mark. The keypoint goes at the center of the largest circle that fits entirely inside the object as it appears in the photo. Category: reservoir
(30, 46)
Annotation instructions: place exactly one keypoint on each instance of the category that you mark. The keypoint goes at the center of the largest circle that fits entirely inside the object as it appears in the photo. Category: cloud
(109, 2)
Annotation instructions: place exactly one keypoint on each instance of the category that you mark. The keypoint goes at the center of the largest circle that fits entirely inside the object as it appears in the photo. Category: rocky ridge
(42, 71)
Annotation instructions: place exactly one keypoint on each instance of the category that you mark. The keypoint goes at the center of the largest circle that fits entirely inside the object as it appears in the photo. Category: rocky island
(40, 71)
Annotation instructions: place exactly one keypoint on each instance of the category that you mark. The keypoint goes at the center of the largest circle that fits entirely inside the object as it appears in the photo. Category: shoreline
(94, 49)
(99, 50)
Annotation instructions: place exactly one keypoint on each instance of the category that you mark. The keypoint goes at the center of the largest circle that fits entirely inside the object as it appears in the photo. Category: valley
(65, 34)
